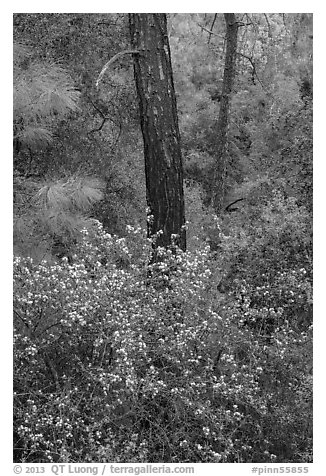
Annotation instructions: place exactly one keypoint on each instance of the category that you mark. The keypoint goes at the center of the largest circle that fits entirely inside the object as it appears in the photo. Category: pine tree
(159, 124)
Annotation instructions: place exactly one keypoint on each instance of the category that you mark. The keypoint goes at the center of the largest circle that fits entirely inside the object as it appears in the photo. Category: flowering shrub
(116, 360)
(267, 253)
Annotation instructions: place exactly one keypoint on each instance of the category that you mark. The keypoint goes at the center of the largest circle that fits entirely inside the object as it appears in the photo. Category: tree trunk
(159, 124)
(218, 188)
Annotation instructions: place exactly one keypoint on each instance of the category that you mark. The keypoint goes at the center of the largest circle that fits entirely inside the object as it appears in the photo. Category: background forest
(211, 360)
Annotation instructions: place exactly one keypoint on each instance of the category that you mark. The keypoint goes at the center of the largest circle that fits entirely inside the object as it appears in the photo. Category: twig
(118, 136)
(210, 32)
(228, 209)
(269, 26)
(240, 23)
(108, 23)
(212, 26)
(22, 319)
(253, 67)
(104, 119)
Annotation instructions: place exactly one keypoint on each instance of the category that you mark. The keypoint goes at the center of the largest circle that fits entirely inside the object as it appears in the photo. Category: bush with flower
(267, 262)
(119, 360)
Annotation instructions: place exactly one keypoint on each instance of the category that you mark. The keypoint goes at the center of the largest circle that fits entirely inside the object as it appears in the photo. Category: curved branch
(99, 128)
(229, 210)
(112, 60)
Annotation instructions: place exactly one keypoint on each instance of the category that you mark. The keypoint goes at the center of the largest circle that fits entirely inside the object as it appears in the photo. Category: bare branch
(228, 209)
(212, 26)
(210, 32)
(105, 118)
(269, 26)
(253, 67)
(22, 319)
(112, 60)
(240, 23)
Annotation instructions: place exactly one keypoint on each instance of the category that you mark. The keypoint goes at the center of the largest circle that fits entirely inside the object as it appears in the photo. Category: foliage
(101, 139)
(42, 91)
(101, 353)
(270, 126)
(267, 261)
(53, 214)
(206, 356)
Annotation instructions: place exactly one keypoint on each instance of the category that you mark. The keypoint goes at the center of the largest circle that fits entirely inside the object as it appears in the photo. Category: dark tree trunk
(159, 124)
(218, 187)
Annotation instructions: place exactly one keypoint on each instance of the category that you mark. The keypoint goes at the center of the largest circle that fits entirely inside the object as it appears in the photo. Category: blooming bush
(117, 360)
(268, 258)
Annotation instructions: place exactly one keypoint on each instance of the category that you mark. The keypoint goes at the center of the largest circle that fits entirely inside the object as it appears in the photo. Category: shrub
(119, 361)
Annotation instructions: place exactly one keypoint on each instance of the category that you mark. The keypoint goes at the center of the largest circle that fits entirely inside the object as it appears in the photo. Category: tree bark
(219, 176)
(159, 125)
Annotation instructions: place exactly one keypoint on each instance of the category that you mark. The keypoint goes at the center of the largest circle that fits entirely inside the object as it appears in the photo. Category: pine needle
(35, 136)
(75, 194)
(41, 91)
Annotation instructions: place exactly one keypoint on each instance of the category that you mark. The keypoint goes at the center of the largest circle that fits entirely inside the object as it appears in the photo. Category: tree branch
(104, 119)
(212, 26)
(22, 319)
(253, 67)
(112, 60)
(210, 32)
(228, 209)
(269, 26)
(240, 23)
